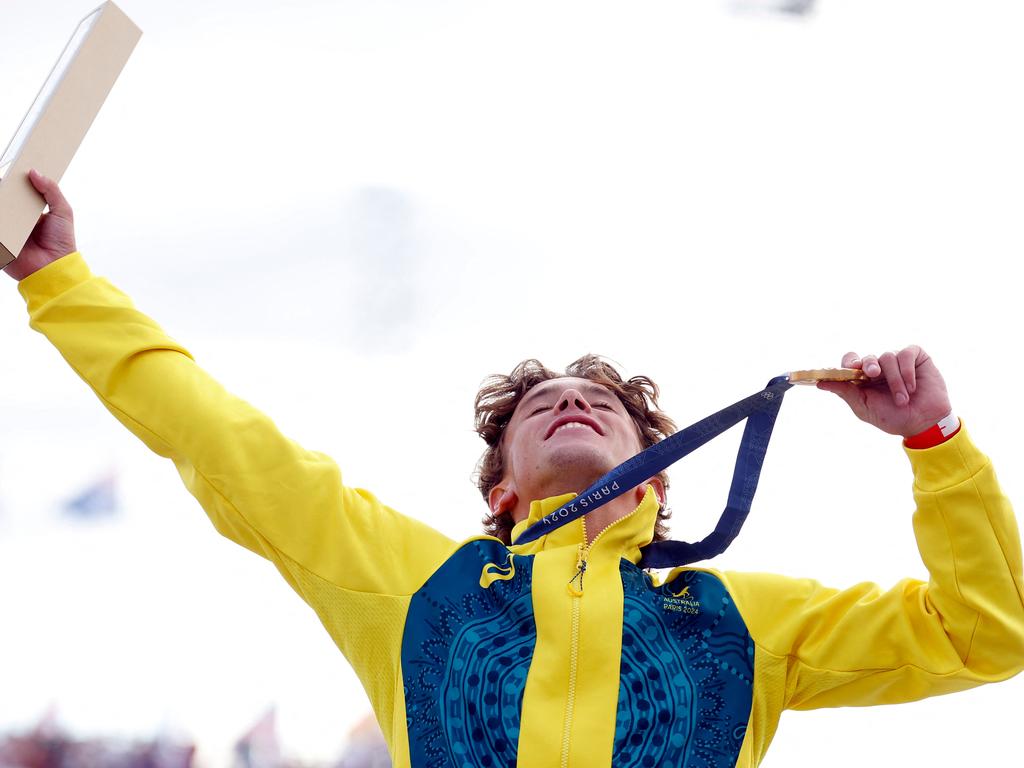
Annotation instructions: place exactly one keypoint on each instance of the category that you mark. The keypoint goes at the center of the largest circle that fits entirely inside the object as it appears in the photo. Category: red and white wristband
(936, 434)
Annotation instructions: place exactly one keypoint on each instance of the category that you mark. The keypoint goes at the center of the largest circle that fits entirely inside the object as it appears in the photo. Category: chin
(578, 466)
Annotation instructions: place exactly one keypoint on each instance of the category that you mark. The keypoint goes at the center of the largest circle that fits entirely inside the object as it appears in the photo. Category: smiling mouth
(572, 426)
(575, 425)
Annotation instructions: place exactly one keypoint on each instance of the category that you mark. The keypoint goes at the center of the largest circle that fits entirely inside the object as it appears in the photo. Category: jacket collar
(625, 536)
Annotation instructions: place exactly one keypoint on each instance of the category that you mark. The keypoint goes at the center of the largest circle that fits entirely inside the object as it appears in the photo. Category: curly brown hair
(499, 395)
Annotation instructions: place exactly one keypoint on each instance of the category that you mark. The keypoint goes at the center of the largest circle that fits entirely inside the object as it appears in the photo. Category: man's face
(565, 434)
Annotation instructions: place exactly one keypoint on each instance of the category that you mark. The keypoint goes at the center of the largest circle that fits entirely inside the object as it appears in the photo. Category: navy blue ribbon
(760, 411)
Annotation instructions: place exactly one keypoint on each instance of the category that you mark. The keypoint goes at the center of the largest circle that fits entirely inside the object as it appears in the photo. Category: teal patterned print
(686, 673)
(685, 677)
(465, 655)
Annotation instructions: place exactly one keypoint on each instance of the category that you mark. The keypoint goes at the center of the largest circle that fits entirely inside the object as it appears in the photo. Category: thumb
(55, 199)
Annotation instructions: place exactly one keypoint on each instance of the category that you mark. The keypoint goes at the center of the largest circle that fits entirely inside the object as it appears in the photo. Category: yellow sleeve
(961, 628)
(258, 487)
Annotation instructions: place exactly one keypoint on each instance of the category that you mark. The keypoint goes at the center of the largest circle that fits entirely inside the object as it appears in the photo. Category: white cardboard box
(59, 118)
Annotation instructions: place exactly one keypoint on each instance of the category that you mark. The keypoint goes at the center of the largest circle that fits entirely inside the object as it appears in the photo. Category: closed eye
(606, 406)
(540, 409)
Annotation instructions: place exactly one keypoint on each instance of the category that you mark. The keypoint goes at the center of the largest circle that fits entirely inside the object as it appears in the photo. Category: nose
(573, 398)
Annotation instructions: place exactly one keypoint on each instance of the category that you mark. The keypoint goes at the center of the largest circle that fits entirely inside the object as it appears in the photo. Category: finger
(850, 360)
(907, 359)
(891, 370)
(55, 199)
(870, 366)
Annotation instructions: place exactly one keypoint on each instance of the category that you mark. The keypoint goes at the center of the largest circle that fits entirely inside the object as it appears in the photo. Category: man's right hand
(54, 233)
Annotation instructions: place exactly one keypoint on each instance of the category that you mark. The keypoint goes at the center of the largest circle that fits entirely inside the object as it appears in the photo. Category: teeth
(573, 425)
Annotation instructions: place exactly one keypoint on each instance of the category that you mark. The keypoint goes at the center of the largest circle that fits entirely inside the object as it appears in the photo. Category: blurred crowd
(46, 745)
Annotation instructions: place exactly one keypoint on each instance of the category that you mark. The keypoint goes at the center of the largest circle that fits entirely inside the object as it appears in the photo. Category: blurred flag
(99, 499)
(259, 747)
(792, 7)
(366, 747)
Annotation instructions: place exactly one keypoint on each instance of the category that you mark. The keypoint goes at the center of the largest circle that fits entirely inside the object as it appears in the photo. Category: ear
(502, 500)
(659, 489)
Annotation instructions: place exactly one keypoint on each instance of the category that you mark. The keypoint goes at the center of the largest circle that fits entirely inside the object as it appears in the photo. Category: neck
(601, 517)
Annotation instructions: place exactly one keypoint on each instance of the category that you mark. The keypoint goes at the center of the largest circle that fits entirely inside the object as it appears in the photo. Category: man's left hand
(905, 394)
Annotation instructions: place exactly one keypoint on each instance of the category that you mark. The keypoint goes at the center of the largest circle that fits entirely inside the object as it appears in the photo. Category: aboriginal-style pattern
(465, 655)
(687, 667)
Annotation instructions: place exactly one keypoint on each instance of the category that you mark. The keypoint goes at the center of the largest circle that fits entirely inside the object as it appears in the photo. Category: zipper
(574, 650)
(574, 643)
(581, 570)
(584, 552)
(576, 593)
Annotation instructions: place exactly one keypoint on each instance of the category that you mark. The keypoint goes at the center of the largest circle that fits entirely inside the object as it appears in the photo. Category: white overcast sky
(352, 212)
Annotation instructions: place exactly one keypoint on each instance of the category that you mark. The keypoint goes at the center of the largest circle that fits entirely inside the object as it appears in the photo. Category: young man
(562, 651)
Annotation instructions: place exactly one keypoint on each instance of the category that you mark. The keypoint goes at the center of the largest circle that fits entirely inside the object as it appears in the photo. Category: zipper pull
(581, 568)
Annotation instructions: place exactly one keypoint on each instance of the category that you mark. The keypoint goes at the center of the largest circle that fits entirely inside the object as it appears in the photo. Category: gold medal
(814, 375)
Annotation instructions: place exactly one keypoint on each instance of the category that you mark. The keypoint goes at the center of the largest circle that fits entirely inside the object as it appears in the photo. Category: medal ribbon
(760, 411)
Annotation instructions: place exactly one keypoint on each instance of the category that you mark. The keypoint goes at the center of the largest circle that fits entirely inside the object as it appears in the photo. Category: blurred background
(351, 212)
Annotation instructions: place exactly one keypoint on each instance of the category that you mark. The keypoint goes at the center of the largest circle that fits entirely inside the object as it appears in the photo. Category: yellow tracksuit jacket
(478, 654)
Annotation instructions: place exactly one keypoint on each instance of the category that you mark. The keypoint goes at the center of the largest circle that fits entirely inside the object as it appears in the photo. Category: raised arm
(864, 645)
(258, 487)
(962, 627)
